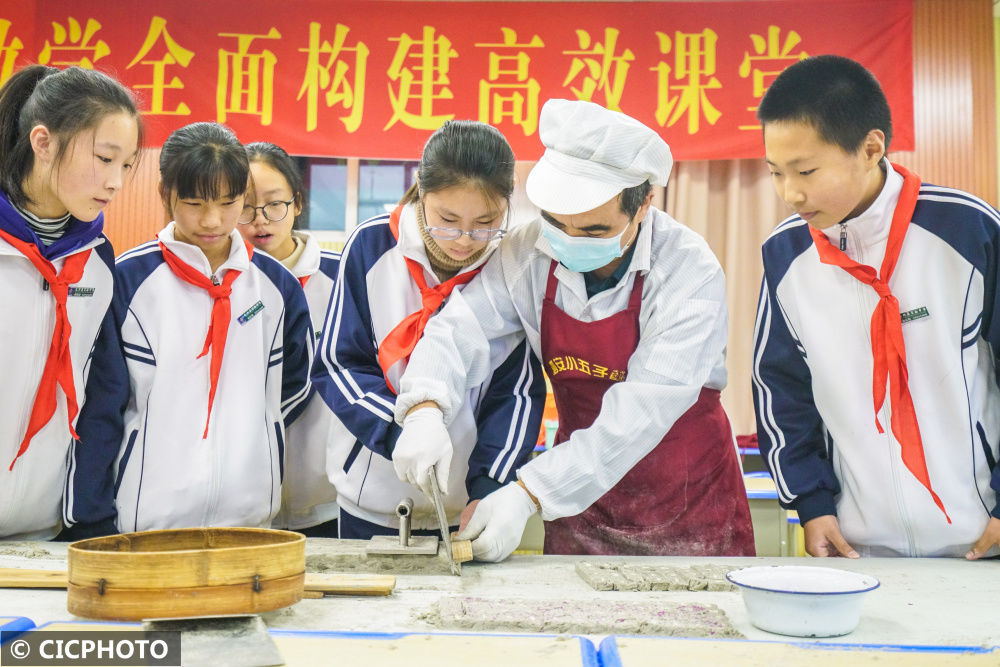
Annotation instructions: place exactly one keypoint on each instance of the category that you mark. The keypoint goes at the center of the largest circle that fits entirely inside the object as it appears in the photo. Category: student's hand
(498, 523)
(422, 448)
(990, 537)
(467, 513)
(823, 538)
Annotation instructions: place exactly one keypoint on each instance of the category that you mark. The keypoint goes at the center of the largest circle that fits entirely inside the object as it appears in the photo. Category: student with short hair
(874, 351)
(68, 138)
(270, 224)
(396, 272)
(212, 366)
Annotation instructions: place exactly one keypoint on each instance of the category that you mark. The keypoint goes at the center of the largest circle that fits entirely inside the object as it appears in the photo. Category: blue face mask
(583, 253)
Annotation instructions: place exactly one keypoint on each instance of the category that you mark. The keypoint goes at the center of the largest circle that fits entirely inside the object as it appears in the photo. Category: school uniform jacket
(309, 498)
(681, 349)
(493, 433)
(147, 426)
(31, 494)
(813, 374)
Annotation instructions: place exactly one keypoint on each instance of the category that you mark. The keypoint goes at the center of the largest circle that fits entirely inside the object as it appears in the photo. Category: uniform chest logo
(250, 313)
(915, 314)
(80, 291)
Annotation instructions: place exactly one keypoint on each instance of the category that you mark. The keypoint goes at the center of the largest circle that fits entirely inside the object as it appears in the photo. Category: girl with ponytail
(68, 138)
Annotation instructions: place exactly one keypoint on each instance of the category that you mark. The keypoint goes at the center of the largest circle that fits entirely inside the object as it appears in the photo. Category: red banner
(373, 79)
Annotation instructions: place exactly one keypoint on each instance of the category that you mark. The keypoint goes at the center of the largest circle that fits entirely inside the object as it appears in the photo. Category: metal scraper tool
(443, 521)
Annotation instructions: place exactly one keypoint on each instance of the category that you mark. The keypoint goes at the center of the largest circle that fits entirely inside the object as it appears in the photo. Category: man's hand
(990, 537)
(823, 538)
(423, 447)
(498, 521)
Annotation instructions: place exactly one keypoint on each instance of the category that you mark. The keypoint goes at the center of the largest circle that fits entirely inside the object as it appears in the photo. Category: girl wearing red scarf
(67, 141)
(212, 365)
(396, 271)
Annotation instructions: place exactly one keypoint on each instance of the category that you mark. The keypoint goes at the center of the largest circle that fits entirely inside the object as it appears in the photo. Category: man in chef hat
(626, 308)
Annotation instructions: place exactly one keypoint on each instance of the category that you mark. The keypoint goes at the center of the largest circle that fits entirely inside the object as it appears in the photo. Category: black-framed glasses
(452, 234)
(274, 211)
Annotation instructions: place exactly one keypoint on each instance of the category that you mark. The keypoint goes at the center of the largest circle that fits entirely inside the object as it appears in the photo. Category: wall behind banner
(731, 202)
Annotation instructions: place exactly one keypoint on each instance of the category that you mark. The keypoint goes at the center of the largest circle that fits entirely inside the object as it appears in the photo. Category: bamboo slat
(319, 584)
(135, 604)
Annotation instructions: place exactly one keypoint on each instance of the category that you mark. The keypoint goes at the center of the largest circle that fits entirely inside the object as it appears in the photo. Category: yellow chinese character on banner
(74, 42)
(425, 81)
(332, 76)
(770, 52)
(172, 54)
(8, 52)
(246, 81)
(694, 62)
(508, 91)
(602, 69)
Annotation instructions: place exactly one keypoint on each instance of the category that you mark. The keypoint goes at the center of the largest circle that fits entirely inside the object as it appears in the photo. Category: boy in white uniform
(875, 386)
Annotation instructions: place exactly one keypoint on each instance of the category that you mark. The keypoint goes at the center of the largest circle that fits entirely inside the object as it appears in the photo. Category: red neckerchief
(58, 370)
(888, 348)
(218, 329)
(403, 338)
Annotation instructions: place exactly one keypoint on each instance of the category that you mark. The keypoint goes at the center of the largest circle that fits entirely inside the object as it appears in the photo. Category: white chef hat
(592, 154)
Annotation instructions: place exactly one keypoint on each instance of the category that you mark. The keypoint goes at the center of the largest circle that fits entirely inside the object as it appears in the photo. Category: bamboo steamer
(185, 572)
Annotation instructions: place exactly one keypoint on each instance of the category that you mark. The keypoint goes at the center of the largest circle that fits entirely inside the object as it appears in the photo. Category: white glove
(498, 523)
(423, 447)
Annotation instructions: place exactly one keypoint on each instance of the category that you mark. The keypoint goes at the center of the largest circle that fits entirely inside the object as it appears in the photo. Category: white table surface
(931, 602)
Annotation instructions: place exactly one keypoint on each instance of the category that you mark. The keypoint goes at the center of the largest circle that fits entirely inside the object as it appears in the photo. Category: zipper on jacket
(867, 305)
(904, 519)
(215, 280)
(843, 237)
(45, 285)
(215, 484)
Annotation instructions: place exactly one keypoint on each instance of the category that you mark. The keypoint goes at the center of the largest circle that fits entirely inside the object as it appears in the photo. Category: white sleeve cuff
(428, 390)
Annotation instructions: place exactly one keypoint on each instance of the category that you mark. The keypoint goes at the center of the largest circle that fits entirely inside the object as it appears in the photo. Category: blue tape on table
(12, 626)
(607, 653)
(610, 654)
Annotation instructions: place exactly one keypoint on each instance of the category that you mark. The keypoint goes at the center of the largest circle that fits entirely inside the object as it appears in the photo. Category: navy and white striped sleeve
(346, 372)
(983, 249)
(508, 420)
(89, 498)
(297, 351)
(790, 430)
(972, 228)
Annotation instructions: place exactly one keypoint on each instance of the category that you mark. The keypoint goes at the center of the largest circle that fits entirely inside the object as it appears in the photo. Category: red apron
(686, 497)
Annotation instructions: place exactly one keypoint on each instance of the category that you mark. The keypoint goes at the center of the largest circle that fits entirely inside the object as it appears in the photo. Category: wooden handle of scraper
(461, 550)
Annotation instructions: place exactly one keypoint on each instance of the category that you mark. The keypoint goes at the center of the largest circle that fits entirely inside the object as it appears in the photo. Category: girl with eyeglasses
(309, 500)
(395, 273)
(212, 365)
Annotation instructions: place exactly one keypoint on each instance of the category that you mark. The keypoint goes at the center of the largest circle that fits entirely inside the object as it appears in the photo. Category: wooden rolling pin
(317, 585)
